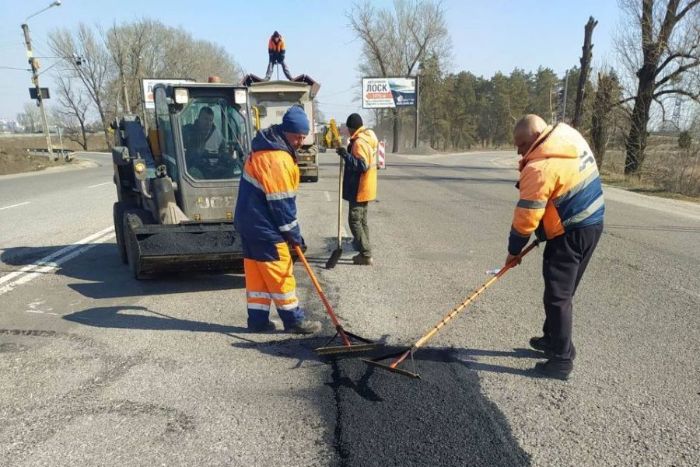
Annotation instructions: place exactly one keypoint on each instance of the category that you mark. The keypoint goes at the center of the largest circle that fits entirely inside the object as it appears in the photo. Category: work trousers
(565, 260)
(272, 64)
(357, 218)
(268, 281)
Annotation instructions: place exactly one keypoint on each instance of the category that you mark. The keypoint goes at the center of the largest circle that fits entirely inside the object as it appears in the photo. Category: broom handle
(471, 298)
(329, 308)
(340, 202)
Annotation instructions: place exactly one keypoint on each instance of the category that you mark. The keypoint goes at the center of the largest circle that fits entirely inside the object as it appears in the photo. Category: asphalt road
(100, 369)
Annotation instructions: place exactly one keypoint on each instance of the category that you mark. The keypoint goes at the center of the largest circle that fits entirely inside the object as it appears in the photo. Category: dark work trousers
(277, 61)
(565, 260)
(357, 218)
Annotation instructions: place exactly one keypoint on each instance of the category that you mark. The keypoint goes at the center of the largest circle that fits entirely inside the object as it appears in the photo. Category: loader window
(214, 136)
(165, 133)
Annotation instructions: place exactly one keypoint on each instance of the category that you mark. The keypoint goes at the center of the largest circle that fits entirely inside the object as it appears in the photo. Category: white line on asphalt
(14, 205)
(328, 195)
(100, 184)
(47, 262)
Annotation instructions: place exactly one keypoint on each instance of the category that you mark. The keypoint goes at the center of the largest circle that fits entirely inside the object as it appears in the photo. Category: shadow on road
(139, 317)
(103, 275)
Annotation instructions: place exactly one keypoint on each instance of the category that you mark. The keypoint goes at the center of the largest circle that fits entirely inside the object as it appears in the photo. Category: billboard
(388, 93)
(148, 89)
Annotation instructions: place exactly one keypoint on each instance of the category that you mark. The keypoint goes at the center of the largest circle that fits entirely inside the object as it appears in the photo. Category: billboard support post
(415, 136)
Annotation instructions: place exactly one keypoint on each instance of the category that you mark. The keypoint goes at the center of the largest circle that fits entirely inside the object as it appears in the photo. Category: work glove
(342, 152)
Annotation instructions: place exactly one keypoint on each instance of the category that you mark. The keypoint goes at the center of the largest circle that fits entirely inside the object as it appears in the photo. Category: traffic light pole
(35, 81)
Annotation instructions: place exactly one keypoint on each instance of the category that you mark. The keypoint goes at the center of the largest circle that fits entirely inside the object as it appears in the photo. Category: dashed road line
(100, 184)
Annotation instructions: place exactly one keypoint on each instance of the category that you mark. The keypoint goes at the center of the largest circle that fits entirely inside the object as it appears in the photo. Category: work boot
(543, 344)
(362, 260)
(267, 327)
(304, 327)
(555, 368)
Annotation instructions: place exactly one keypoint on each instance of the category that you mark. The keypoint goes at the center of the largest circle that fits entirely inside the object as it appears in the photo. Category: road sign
(148, 89)
(388, 93)
(44, 93)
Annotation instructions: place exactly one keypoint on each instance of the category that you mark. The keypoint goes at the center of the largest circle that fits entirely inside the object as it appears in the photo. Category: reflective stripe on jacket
(266, 211)
(560, 188)
(360, 177)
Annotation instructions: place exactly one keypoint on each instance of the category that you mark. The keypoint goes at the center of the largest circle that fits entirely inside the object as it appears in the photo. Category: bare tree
(394, 42)
(93, 67)
(586, 58)
(72, 110)
(606, 96)
(662, 49)
(30, 119)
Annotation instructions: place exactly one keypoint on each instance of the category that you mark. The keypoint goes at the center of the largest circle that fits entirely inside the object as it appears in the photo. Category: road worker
(266, 219)
(276, 52)
(561, 201)
(360, 183)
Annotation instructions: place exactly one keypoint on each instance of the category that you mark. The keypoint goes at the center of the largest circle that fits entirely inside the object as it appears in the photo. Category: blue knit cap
(295, 121)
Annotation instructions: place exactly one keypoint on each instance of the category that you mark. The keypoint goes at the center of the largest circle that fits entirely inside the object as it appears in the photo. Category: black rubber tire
(118, 211)
(133, 219)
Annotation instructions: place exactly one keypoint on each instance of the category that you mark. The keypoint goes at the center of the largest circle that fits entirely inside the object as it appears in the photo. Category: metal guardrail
(67, 154)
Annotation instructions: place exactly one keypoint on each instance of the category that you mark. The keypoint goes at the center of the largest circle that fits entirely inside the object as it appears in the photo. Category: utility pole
(33, 62)
(415, 136)
(566, 90)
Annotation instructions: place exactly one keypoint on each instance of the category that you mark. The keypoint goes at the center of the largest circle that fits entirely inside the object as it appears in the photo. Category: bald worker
(561, 201)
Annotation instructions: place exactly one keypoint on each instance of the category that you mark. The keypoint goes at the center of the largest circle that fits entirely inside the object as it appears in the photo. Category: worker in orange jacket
(266, 219)
(561, 201)
(276, 52)
(360, 183)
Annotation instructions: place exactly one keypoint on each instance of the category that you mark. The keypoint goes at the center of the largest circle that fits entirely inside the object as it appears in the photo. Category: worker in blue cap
(266, 219)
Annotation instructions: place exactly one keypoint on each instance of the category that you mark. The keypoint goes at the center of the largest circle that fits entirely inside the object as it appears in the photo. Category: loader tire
(118, 211)
(132, 220)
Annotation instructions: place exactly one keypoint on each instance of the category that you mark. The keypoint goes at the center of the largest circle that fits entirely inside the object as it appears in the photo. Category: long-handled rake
(346, 337)
(399, 357)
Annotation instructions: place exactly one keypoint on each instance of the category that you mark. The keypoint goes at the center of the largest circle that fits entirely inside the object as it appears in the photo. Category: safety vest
(364, 146)
(560, 188)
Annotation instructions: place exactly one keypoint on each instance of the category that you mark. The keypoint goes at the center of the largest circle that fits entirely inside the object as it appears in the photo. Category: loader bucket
(156, 248)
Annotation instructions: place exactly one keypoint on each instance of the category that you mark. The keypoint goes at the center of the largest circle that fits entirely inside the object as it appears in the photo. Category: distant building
(10, 126)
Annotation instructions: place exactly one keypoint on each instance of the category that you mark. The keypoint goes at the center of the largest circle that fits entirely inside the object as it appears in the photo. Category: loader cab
(203, 132)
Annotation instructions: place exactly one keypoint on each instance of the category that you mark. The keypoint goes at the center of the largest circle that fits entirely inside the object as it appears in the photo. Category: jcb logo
(215, 202)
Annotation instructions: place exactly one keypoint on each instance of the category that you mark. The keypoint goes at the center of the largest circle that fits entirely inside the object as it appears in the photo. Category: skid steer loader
(177, 188)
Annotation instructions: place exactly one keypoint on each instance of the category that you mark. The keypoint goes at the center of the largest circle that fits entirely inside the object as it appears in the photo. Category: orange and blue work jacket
(275, 47)
(360, 176)
(560, 188)
(266, 211)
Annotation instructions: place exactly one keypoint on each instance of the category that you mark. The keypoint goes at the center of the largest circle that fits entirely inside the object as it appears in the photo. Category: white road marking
(34, 308)
(51, 262)
(15, 205)
(328, 195)
(100, 184)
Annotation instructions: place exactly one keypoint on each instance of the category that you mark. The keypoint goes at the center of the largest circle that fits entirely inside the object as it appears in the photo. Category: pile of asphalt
(188, 243)
(442, 419)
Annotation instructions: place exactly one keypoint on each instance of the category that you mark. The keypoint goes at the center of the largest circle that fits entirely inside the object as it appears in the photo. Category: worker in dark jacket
(360, 183)
(266, 219)
(561, 200)
(276, 51)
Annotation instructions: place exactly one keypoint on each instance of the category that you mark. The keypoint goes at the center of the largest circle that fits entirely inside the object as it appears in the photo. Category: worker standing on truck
(561, 200)
(359, 183)
(276, 51)
(266, 218)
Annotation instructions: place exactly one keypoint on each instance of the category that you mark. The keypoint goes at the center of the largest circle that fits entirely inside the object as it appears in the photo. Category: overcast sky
(487, 36)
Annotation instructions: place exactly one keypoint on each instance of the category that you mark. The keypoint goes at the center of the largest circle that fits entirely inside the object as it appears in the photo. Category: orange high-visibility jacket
(360, 178)
(266, 211)
(275, 47)
(560, 188)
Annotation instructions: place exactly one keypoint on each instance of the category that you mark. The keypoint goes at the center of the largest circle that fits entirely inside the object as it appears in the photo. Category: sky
(487, 36)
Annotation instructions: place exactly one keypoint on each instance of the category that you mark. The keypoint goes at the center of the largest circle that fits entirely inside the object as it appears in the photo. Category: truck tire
(118, 211)
(132, 220)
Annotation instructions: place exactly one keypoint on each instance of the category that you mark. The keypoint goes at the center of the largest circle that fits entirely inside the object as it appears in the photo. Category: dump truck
(269, 100)
(177, 183)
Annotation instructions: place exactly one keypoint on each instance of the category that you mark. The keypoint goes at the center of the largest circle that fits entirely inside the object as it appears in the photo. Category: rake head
(355, 346)
(397, 359)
